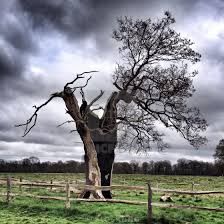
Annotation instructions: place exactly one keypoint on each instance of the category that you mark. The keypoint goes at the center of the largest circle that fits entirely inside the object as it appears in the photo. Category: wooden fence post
(20, 181)
(67, 202)
(51, 182)
(192, 186)
(149, 218)
(9, 185)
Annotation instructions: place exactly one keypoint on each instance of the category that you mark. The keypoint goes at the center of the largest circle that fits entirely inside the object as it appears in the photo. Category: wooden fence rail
(69, 185)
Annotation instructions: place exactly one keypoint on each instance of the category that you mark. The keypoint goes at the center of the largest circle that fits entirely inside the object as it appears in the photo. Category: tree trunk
(93, 175)
(105, 163)
(105, 155)
(99, 143)
(106, 151)
(104, 136)
(105, 144)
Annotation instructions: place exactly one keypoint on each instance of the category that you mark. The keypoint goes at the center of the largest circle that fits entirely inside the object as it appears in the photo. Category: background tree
(191, 167)
(219, 156)
(152, 84)
(219, 153)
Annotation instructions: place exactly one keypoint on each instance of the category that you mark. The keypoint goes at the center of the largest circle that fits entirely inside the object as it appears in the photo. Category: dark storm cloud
(10, 64)
(17, 33)
(16, 42)
(95, 19)
(71, 17)
(79, 19)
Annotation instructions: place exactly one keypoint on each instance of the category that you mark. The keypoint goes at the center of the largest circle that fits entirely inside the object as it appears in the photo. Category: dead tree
(153, 85)
(93, 176)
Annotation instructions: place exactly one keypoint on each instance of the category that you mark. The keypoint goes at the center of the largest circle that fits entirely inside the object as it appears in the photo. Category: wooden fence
(9, 182)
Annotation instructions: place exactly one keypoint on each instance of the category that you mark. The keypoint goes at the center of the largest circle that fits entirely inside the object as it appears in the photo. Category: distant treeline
(182, 167)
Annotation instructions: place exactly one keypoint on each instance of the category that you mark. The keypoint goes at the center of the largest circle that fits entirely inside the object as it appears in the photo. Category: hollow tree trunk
(106, 151)
(106, 141)
(93, 175)
(105, 155)
(104, 136)
(105, 144)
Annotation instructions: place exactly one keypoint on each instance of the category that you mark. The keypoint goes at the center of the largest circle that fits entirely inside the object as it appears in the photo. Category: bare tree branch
(32, 120)
(161, 93)
(66, 122)
(82, 94)
(82, 86)
(78, 76)
(95, 100)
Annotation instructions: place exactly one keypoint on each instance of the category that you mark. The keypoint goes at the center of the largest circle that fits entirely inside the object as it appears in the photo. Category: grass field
(24, 210)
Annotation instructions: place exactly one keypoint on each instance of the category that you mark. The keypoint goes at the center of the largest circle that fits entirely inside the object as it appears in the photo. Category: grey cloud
(78, 20)
(215, 51)
(71, 17)
(17, 33)
(11, 64)
(16, 41)
(95, 19)
(209, 99)
(19, 150)
(171, 155)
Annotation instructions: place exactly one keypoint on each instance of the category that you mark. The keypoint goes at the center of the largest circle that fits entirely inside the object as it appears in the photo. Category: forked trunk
(105, 155)
(93, 176)
(99, 144)
(105, 144)
(104, 136)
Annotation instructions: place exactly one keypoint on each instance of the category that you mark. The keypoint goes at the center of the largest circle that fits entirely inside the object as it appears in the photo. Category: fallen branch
(187, 207)
(187, 192)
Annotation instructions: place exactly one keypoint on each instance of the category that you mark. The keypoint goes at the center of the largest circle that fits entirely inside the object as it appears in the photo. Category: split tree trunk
(99, 145)
(93, 175)
(105, 140)
(105, 162)
(106, 151)
(105, 144)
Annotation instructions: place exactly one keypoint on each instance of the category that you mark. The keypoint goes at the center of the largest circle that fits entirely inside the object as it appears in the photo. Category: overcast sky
(44, 43)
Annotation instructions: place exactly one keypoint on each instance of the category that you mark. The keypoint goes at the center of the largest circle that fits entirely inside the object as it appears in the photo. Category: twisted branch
(33, 119)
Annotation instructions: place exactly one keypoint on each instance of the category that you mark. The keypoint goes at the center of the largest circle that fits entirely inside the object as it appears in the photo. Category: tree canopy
(154, 76)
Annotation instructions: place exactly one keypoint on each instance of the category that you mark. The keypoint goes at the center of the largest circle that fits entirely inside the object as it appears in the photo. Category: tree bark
(104, 136)
(99, 143)
(105, 146)
(106, 155)
(106, 151)
(93, 175)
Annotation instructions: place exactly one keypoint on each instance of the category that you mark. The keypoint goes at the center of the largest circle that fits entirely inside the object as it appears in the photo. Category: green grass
(24, 210)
